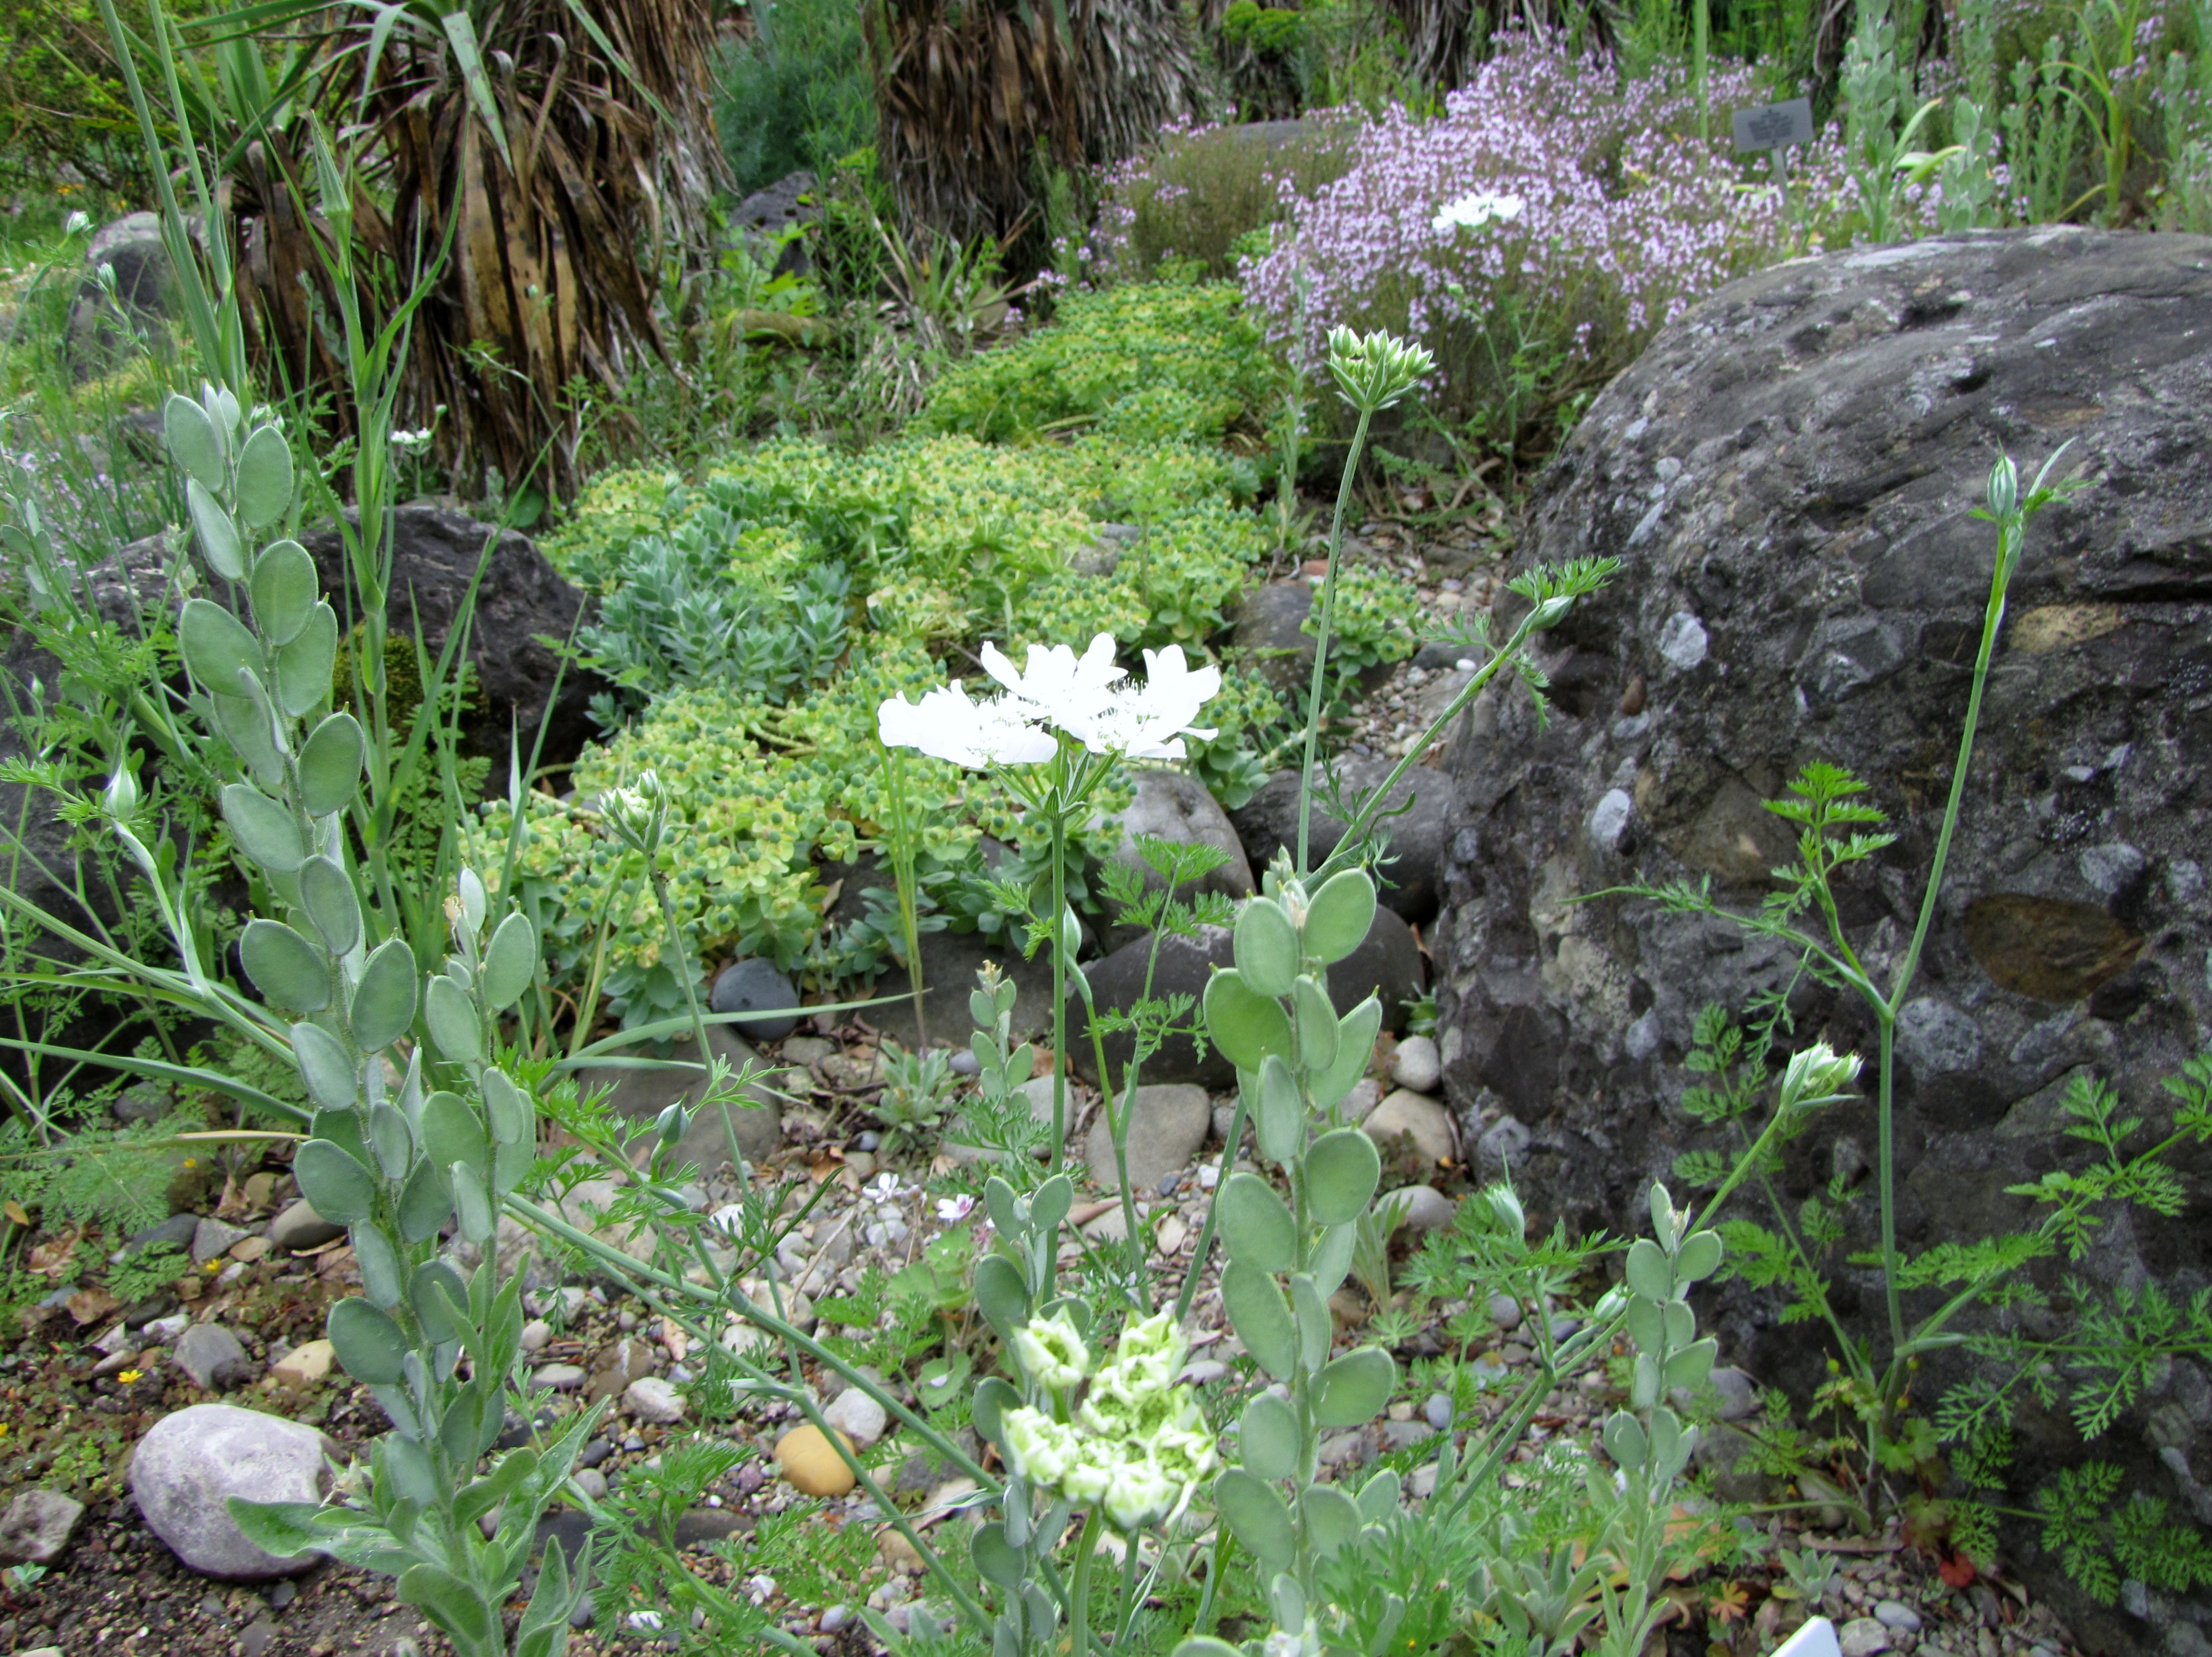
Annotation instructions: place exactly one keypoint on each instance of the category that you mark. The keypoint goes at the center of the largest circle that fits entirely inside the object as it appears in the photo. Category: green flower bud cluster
(1376, 370)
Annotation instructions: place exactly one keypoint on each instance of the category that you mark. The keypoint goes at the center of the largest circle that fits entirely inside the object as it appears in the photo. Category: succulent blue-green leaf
(1281, 1128)
(1663, 1215)
(1332, 1519)
(370, 1345)
(383, 1000)
(484, 1494)
(1670, 1445)
(442, 1319)
(330, 765)
(326, 894)
(1339, 915)
(338, 1188)
(1699, 1258)
(1679, 1322)
(1378, 1496)
(381, 1280)
(1258, 1517)
(1268, 1442)
(1650, 1276)
(285, 588)
(287, 1529)
(997, 1559)
(1288, 1599)
(425, 1205)
(1643, 1324)
(389, 1140)
(1267, 947)
(1342, 1170)
(1205, 1645)
(510, 961)
(1256, 1226)
(454, 1026)
(1314, 1323)
(1355, 1045)
(216, 646)
(218, 535)
(999, 1202)
(324, 1067)
(264, 479)
(194, 443)
(451, 1132)
(245, 722)
(1624, 1442)
(993, 1398)
(303, 666)
(1000, 1293)
(263, 829)
(1354, 1388)
(451, 1604)
(291, 973)
(1331, 1260)
(409, 1467)
(1261, 1317)
(1315, 1020)
(1693, 1364)
(510, 1166)
(473, 1203)
(508, 1107)
(1049, 1202)
(1246, 1026)
(342, 1128)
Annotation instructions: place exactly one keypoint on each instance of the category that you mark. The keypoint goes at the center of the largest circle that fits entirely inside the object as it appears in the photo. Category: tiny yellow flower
(129, 1375)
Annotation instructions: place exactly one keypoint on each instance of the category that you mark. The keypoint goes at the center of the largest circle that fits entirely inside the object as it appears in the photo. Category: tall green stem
(1078, 1610)
(1059, 980)
(902, 871)
(1321, 641)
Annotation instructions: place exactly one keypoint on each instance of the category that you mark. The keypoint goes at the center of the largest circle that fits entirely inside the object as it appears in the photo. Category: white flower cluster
(1138, 1446)
(1057, 690)
(1471, 212)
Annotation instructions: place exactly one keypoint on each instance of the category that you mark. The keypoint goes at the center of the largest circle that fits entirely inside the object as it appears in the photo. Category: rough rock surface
(1175, 806)
(37, 1527)
(1787, 477)
(1167, 1127)
(1417, 836)
(192, 1461)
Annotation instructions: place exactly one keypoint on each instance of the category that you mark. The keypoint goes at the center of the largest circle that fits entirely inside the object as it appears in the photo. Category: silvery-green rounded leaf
(1316, 1024)
(1693, 1365)
(303, 666)
(468, 885)
(1648, 1275)
(1281, 1124)
(1355, 1045)
(291, 973)
(389, 1140)
(473, 1203)
(1378, 1497)
(245, 723)
(218, 536)
(285, 588)
(1256, 1226)
(1354, 1388)
(1206, 1645)
(1314, 1323)
(326, 894)
(1663, 1215)
(1261, 1317)
(1331, 1260)
(1000, 1295)
(264, 830)
(1266, 946)
(997, 1560)
(194, 443)
(1049, 1202)
(330, 765)
(440, 1322)
(983, 1011)
(453, 1020)
(265, 478)
(380, 1265)
(1246, 1026)
(338, 1188)
(998, 1200)
(221, 405)
(512, 1118)
(1342, 1170)
(510, 1165)
(369, 1346)
(1625, 1440)
(216, 646)
(1332, 1519)
(1259, 1518)
(383, 1000)
(329, 1074)
(1699, 1258)
(511, 962)
(1287, 1601)
(342, 1128)
(452, 1133)
(993, 1398)
(1644, 1325)
(425, 1205)
(1268, 1438)
(1339, 915)
(1679, 1322)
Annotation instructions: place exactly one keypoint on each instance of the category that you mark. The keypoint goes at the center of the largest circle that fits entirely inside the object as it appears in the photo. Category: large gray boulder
(1787, 476)
(192, 1461)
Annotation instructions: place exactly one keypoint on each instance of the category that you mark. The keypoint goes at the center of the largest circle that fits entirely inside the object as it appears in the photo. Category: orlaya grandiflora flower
(1057, 690)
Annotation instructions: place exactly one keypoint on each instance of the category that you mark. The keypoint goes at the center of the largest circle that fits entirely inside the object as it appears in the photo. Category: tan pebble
(810, 1463)
(304, 1365)
(899, 1553)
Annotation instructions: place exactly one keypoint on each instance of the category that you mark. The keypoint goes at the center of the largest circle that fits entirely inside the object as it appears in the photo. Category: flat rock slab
(1167, 1127)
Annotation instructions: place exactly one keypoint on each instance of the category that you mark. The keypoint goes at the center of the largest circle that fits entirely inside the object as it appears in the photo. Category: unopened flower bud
(1817, 1074)
(121, 794)
(2004, 488)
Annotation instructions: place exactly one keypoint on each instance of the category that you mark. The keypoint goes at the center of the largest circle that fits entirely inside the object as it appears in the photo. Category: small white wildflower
(953, 1209)
(1471, 212)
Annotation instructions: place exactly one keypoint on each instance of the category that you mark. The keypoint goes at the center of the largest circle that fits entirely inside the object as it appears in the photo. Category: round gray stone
(194, 1461)
(756, 985)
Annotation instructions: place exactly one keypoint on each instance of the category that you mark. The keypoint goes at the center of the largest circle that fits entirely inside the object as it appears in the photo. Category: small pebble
(537, 1335)
(1438, 1411)
(1862, 1637)
(625, 1320)
(1896, 1614)
(835, 1620)
(592, 1482)
(632, 1443)
(869, 1139)
(1506, 1311)
(1563, 1327)
(283, 1595)
(964, 1063)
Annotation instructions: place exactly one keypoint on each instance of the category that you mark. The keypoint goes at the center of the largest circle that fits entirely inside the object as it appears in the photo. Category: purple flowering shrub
(1534, 236)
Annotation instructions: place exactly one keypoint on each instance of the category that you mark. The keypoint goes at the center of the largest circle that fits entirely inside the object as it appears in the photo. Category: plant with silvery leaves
(409, 1135)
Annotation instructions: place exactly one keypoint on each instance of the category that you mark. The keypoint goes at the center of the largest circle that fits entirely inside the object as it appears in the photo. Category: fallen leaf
(13, 1211)
(90, 1305)
(52, 1256)
(1958, 1570)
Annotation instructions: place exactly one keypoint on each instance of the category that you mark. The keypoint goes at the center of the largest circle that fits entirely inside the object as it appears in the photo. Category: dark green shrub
(797, 94)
